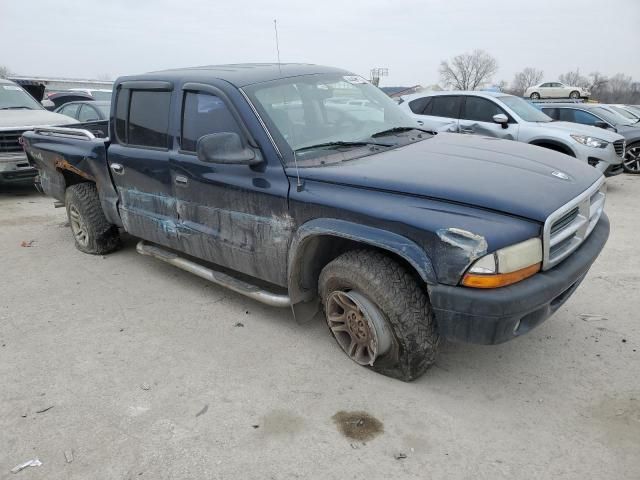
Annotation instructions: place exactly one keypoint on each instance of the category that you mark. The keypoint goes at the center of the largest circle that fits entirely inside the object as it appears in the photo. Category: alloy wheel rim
(632, 159)
(358, 326)
(78, 227)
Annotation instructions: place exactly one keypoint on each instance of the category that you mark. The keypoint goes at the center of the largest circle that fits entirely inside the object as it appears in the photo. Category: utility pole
(376, 73)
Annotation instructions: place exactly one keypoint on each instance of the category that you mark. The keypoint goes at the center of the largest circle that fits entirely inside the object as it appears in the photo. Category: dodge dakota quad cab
(260, 178)
(19, 112)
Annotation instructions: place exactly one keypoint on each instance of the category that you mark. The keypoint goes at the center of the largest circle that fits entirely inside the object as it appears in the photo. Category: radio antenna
(275, 27)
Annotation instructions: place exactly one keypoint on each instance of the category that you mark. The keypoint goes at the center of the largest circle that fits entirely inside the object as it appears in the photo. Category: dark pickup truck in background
(306, 186)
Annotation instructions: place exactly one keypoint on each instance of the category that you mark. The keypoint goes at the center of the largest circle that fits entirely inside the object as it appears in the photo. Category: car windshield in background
(318, 114)
(626, 114)
(98, 95)
(14, 97)
(610, 116)
(524, 109)
(104, 107)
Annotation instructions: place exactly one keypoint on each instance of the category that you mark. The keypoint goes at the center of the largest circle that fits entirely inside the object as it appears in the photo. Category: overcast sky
(86, 38)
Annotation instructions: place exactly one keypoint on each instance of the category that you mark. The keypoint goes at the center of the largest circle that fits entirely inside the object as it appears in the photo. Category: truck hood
(586, 130)
(501, 175)
(24, 119)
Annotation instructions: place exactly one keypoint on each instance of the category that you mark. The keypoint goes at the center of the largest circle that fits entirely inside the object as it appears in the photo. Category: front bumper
(496, 316)
(15, 168)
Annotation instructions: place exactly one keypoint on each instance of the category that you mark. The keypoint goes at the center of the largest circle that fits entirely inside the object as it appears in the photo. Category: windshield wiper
(15, 108)
(342, 144)
(398, 130)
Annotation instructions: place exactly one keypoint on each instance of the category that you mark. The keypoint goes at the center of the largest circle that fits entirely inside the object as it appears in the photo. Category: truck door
(139, 160)
(232, 215)
(477, 119)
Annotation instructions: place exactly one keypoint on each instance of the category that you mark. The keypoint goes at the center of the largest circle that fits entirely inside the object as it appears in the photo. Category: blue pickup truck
(306, 187)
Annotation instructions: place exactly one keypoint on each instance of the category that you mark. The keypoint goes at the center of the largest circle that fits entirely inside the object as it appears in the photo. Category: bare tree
(4, 71)
(104, 76)
(525, 79)
(468, 71)
(574, 79)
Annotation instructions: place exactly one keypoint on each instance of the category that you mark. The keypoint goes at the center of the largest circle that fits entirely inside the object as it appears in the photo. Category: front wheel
(379, 314)
(91, 230)
(535, 96)
(631, 162)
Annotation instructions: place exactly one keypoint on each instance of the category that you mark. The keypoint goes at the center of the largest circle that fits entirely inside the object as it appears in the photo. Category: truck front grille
(619, 147)
(10, 141)
(570, 225)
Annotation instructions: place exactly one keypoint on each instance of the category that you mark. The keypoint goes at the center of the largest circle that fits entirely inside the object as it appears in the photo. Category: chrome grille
(10, 141)
(570, 225)
(619, 147)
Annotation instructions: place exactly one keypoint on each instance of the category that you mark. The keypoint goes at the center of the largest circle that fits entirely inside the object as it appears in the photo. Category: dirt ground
(140, 370)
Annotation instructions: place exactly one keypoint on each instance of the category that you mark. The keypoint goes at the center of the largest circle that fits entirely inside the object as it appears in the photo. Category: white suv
(556, 90)
(495, 114)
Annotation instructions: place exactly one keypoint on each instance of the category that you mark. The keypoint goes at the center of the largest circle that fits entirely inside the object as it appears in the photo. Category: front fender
(328, 227)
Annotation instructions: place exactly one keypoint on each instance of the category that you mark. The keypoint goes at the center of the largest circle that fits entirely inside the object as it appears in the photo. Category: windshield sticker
(11, 87)
(354, 79)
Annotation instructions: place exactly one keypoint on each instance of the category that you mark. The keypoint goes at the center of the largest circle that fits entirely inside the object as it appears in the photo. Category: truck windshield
(14, 97)
(318, 114)
(524, 109)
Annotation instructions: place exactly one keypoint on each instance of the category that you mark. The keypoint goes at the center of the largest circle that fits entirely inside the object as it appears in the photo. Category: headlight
(505, 266)
(590, 141)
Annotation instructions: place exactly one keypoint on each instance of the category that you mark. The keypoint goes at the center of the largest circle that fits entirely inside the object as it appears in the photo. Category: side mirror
(502, 119)
(227, 148)
(604, 125)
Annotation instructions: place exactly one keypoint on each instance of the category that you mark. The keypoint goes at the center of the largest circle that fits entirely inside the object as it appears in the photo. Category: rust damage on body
(62, 164)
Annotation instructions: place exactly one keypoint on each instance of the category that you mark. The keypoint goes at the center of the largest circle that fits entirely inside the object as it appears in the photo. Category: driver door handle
(181, 180)
(117, 168)
(466, 130)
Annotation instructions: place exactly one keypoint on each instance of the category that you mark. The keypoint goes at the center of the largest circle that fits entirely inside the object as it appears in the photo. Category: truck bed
(64, 156)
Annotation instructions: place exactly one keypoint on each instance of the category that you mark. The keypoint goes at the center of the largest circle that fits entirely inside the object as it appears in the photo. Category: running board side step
(214, 276)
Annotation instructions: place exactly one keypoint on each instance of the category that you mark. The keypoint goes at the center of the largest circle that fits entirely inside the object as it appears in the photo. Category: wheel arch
(319, 241)
(554, 145)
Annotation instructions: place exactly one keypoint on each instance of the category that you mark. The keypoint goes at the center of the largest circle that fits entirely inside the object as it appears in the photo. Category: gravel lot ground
(154, 373)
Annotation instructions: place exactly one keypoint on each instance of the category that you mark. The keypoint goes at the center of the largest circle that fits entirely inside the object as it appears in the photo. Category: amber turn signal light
(496, 280)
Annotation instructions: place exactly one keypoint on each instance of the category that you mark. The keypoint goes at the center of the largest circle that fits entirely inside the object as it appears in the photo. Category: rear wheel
(575, 95)
(631, 162)
(379, 314)
(535, 96)
(92, 232)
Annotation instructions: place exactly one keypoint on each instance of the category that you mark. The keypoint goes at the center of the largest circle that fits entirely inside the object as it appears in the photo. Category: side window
(149, 118)
(87, 114)
(566, 115)
(203, 114)
(419, 105)
(545, 85)
(552, 112)
(70, 110)
(480, 109)
(445, 106)
(585, 118)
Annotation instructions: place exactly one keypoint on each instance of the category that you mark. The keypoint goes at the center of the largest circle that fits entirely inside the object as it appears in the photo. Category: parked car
(594, 114)
(56, 99)
(627, 111)
(86, 111)
(509, 117)
(19, 112)
(100, 94)
(402, 236)
(556, 90)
